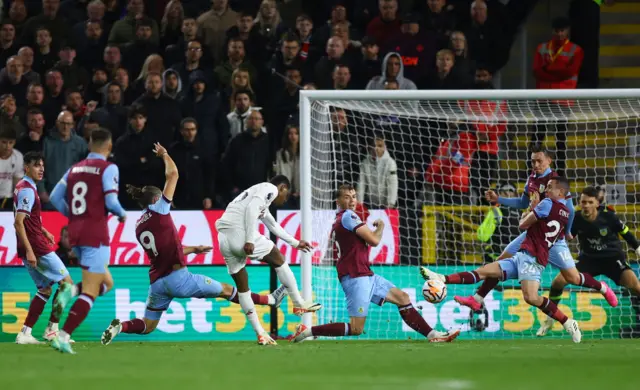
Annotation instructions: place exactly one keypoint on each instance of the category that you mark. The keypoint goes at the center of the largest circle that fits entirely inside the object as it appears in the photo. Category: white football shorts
(231, 244)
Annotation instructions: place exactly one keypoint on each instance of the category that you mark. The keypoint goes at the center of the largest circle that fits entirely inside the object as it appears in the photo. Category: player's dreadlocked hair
(145, 195)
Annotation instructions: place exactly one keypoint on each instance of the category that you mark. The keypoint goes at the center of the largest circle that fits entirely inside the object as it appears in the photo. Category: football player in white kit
(238, 238)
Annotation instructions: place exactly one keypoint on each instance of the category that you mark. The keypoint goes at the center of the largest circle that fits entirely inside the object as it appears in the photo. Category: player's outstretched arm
(541, 211)
(170, 171)
(188, 250)
(372, 238)
(275, 228)
(517, 203)
(621, 228)
(58, 197)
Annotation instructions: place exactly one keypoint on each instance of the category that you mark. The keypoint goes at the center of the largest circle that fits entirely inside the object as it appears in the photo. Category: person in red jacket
(385, 25)
(556, 66)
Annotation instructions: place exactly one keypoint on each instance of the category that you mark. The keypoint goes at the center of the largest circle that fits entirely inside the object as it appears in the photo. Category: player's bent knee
(532, 299)
(150, 325)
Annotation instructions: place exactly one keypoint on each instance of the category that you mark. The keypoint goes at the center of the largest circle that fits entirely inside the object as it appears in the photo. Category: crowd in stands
(218, 81)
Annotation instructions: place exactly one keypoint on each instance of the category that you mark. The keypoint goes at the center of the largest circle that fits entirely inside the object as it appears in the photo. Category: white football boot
(572, 327)
(111, 332)
(545, 327)
(25, 339)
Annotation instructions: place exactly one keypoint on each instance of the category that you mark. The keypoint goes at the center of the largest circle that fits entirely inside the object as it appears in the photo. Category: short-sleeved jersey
(158, 236)
(234, 214)
(599, 238)
(88, 182)
(552, 218)
(351, 251)
(27, 201)
(538, 184)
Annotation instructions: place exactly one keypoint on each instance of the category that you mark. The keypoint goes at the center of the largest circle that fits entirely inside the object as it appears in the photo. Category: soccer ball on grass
(434, 291)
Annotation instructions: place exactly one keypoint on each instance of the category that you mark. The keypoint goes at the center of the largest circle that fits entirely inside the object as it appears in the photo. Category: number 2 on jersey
(78, 200)
(556, 229)
(148, 242)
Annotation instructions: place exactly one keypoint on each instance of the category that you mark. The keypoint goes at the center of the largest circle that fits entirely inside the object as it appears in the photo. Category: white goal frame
(307, 97)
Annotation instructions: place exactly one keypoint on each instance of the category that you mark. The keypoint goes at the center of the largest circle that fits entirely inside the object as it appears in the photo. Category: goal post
(433, 138)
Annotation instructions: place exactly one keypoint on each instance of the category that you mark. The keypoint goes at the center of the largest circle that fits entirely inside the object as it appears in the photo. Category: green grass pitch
(371, 365)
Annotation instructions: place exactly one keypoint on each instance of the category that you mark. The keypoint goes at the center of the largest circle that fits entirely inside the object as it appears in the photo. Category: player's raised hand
(305, 246)
(202, 249)
(378, 223)
(491, 196)
(534, 200)
(159, 150)
(248, 248)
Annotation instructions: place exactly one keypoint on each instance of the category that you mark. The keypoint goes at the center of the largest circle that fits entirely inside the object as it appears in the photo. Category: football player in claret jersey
(34, 248)
(84, 194)
(597, 228)
(239, 238)
(559, 255)
(168, 273)
(545, 226)
(351, 239)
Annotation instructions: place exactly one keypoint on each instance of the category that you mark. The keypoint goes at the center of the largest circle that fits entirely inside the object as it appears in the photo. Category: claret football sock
(412, 318)
(35, 309)
(337, 329)
(78, 313)
(463, 278)
(135, 325)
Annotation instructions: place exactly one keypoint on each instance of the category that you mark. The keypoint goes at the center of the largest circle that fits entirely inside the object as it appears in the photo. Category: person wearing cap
(499, 226)
(416, 47)
(556, 65)
(369, 66)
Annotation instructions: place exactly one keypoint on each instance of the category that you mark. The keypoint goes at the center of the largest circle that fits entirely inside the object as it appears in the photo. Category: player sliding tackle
(239, 238)
(352, 239)
(559, 255)
(544, 226)
(34, 248)
(168, 273)
(601, 253)
(83, 194)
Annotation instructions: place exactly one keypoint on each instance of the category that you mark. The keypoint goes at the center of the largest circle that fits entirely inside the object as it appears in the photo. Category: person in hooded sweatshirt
(378, 179)
(113, 113)
(172, 84)
(203, 103)
(392, 69)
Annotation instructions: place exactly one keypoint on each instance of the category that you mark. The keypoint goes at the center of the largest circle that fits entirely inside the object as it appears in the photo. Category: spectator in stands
(338, 15)
(236, 59)
(196, 169)
(54, 96)
(439, 19)
(392, 69)
(269, 23)
(247, 160)
(112, 58)
(8, 111)
(171, 24)
(89, 124)
(444, 77)
(136, 52)
(74, 76)
(62, 148)
(369, 66)
(13, 82)
(341, 77)
(113, 113)
(483, 75)
(378, 178)
(129, 94)
(26, 54)
(96, 88)
(95, 18)
(285, 104)
(213, 24)
(124, 31)
(35, 98)
(175, 53)
(73, 11)
(464, 66)
(172, 85)
(243, 103)
(308, 44)
(8, 44)
(288, 163)
(18, 16)
(347, 148)
(385, 25)
(164, 114)
(93, 44)
(255, 43)
(488, 37)
(240, 79)
(33, 139)
(153, 64)
(556, 65)
(417, 48)
(51, 19)
(133, 153)
(326, 65)
(65, 251)
(45, 57)
(203, 104)
(192, 62)
(285, 58)
(11, 166)
(352, 47)
(74, 103)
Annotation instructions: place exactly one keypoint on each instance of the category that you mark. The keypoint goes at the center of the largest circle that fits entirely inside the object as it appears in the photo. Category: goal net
(421, 161)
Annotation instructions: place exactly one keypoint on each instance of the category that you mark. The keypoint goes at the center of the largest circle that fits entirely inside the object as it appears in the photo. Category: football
(434, 291)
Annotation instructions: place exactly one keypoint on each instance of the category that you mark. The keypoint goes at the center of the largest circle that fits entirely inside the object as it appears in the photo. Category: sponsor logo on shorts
(360, 310)
(207, 281)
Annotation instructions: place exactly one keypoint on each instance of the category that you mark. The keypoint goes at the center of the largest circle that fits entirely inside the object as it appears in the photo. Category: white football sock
(26, 330)
(285, 276)
(250, 310)
(478, 298)
(53, 326)
(271, 300)
(64, 336)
